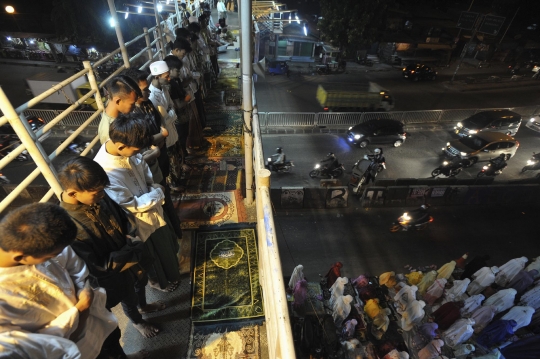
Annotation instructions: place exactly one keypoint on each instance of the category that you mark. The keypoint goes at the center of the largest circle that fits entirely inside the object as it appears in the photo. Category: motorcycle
(533, 163)
(514, 69)
(8, 143)
(323, 172)
(323, 69)
(78, 146)
(448, 169)
(491, 170)
(402, 223)
(361, 170)
(4, 179)
(286, 166)
(364, 61)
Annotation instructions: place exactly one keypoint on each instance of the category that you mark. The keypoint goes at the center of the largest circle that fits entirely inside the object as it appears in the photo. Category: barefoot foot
(152, 307)
(146, 329)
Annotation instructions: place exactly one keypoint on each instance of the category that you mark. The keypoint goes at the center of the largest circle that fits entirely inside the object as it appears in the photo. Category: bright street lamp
(112, 22)
(10, 9)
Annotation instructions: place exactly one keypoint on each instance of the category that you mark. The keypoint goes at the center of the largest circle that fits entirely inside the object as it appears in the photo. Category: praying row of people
(115, 233)
(443, 307)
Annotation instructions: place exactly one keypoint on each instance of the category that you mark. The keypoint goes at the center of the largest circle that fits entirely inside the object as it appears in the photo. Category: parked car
(35, 124)
(278, 68)
(534, 123)
(377, 131)
(504, 121)
(481, 147)
(419, 72)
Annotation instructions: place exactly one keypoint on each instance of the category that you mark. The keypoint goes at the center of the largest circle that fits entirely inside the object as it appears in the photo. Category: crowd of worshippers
(115, 234)
(471, 307)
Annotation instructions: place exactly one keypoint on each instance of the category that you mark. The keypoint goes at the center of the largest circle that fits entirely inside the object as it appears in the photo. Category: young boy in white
(47, 307)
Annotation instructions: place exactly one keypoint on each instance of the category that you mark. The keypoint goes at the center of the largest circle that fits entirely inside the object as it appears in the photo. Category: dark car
(419, 72)
(377, 131)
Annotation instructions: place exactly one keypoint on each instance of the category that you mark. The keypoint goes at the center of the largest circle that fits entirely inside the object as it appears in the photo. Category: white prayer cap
(193, 19)
(158, 68)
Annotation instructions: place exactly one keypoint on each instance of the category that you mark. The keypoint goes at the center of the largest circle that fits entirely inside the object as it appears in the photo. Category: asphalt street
(297, 93)
(361, 240)
(416, 158)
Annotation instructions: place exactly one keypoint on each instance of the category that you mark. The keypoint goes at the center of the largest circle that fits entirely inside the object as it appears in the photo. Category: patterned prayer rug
(226, 276)
(210, 209)
(228, 341)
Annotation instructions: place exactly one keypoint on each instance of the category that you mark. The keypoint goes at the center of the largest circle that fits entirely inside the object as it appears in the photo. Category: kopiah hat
(158, 68)
(193, 19)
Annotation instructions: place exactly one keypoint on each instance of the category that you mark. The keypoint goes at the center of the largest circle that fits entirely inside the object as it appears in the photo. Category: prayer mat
(210, 209)
(246, 340)
(213, 174)
(225, 146)
(226, 276)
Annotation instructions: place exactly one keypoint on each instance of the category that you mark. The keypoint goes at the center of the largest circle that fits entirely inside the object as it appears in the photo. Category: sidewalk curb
(490, 86)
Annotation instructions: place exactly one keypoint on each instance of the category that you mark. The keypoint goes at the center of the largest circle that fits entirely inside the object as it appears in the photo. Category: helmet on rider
(377, 151)
(331, 155)
(425, 206)
(502, 156)
(279, 150)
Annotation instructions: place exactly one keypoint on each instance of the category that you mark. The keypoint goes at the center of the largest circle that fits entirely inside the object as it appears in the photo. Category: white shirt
(168, 29)
(163, 103)
(38, 313)
(221, 7)
(132, 187)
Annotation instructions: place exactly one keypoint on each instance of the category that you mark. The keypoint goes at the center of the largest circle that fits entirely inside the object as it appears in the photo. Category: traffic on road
(423, 153)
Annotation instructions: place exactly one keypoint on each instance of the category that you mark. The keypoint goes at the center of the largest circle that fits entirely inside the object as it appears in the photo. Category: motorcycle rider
(417, 216)
(329, 163)
(278, 158)
(377, 160)
(500, 162)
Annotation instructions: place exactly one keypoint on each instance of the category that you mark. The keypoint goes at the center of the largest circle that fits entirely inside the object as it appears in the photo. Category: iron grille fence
(311, 119)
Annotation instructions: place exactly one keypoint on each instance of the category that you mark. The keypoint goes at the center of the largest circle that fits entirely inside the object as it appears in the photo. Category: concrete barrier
(337, 197)
(292, 197)
(315, 197)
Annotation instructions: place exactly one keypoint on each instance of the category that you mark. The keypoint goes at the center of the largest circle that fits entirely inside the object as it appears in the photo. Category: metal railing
(344, 119)
(67, 118)
(279, 332)
(312, 119)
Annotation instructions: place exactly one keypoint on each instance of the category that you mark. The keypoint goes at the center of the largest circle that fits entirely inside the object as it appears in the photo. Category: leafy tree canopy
(349, 24)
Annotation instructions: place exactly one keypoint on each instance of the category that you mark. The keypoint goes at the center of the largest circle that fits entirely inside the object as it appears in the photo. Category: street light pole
(11, 10)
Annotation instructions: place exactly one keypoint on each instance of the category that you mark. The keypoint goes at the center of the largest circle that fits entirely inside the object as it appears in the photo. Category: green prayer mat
(226, 276)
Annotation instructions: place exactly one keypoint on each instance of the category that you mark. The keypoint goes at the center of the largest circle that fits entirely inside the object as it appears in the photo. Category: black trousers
(200, 108)
(111, 348)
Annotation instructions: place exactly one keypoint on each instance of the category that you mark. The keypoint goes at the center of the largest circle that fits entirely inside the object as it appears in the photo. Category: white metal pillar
(119, 35)
(247, 70)
(94, 85)
(28, 139)
(160, 33)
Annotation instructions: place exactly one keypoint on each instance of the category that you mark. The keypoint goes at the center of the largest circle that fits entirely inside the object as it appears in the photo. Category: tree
(349, 24)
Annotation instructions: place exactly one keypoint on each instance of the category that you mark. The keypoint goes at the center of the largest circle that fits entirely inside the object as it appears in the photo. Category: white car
(534, 123)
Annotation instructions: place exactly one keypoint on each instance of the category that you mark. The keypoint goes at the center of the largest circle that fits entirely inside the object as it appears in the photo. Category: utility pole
(475, 29)
(510, 24)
